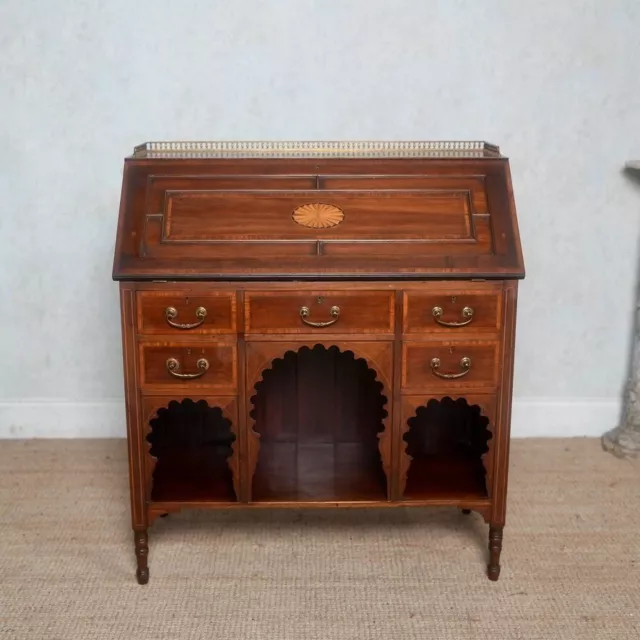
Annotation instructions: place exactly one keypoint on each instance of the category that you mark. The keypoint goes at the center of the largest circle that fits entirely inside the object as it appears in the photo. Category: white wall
(556, 84)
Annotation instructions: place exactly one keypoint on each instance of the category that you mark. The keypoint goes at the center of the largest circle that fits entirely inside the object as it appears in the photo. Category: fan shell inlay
(318, 215)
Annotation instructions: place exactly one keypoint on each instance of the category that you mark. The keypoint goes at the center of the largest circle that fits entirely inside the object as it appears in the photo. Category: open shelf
(319, 412)
(447, 440)
(293, 471)
(191, 443)
(187, 476)
(441, 478)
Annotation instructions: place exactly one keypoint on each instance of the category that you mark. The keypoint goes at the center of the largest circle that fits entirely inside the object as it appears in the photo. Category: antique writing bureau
(314, 324)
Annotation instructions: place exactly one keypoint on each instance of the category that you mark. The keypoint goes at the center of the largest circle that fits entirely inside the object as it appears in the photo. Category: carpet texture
(570, 564)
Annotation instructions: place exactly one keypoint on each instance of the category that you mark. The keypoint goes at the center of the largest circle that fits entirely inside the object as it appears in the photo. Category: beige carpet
(571, 561)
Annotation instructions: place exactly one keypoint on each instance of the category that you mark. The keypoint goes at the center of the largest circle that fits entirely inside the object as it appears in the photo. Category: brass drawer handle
(334, 312)
(467, 314)
(171, 313)
(465, 365)
(173, 365)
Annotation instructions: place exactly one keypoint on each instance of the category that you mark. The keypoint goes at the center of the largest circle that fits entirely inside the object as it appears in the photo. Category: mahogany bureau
(318, 324)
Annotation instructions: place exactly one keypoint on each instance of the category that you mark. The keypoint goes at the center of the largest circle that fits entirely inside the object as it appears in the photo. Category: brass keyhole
(188, 352)
(453, 299)
(451, 349)
(320, 299)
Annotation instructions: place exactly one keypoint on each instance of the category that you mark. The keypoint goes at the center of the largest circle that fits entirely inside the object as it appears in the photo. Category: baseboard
(564, 417)
(532, 418)
(61, 419)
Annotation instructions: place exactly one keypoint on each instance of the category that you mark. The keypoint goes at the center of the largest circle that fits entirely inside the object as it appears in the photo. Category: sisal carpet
(570, 564)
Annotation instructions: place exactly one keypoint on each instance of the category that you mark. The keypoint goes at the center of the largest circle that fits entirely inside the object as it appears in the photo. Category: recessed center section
(319, 412)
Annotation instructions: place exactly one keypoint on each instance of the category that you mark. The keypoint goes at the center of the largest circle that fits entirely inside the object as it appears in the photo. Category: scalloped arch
(257, 379)
(347, 352)
(158, 410)
(478, 410)
(266, 363)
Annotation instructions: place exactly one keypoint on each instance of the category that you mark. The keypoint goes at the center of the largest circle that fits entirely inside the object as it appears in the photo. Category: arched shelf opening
(447, 441)
(191, 444)
(319, 413)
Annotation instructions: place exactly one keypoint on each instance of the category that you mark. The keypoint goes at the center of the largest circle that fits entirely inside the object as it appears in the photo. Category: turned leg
(495, 547)
(141, 540)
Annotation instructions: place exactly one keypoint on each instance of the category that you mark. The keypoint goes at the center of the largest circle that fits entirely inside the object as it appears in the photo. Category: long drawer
(322, 311)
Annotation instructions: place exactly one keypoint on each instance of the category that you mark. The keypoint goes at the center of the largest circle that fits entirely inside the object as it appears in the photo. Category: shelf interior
(447, 440)
(319, 412)
(191, 442)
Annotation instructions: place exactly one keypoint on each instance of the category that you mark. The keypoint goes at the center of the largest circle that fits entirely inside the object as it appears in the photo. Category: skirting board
(532, 418)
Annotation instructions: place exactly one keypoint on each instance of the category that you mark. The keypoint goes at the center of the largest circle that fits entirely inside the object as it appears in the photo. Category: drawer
(188, 365)
(180, 312)
(319, 311)
(452, 311)
(450, 364)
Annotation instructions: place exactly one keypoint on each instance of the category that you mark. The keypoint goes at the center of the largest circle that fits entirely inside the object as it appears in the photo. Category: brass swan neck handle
(173, 366)
(467, 314)
(334, 312)
(465, 365)
(171, 313)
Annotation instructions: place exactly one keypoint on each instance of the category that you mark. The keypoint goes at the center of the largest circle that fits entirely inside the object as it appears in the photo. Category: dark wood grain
(471, 415)
(288, 414)
(191, 448)
(263, 357)
(319, 413)
(441, 476)
(446, 441)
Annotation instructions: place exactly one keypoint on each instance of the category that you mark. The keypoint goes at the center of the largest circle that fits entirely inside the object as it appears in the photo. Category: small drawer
(319, 312)
(452, 311)
(180, 312)
(450, 364)
(188, 365)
